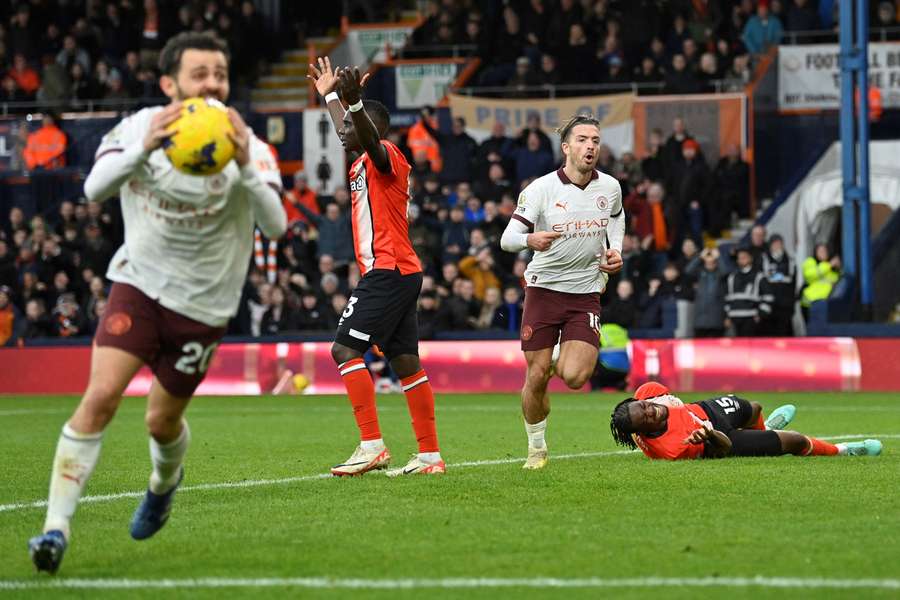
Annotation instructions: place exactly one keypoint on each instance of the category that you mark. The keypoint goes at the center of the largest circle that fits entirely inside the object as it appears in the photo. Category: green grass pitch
(594, 513)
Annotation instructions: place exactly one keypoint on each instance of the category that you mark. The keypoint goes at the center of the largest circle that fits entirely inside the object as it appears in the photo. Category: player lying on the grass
(382, 309)
(573, 220)
(663, 426)
(177, 282)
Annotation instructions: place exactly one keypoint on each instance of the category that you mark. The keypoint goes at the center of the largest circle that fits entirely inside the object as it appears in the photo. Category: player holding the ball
(177, 279)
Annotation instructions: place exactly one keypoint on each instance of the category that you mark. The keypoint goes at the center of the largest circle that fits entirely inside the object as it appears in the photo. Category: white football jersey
(582, 216)
(188, 239)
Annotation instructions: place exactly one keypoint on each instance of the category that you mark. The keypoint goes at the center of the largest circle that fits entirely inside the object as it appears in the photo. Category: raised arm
(326, 82)
(351, 84)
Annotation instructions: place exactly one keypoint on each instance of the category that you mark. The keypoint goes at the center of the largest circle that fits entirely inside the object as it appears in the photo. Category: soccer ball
(201, 145)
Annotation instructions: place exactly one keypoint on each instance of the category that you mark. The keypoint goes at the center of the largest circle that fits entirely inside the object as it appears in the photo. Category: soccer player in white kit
(177, 281)
(574, 221)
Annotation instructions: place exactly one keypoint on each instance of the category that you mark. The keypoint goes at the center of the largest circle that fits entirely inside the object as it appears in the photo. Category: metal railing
(116, 105)
(435, 51)
(594, 89)
(829, 36)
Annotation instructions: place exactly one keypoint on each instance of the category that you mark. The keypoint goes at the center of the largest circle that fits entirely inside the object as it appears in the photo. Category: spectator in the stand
(647, 73)
(532, 160)
(425, 149)
(691, 186)
(533, 125)
(781, 272)
(496, 184)
(887, 17)
(97, 250)
(460, 311)
(708, 273)
(310, 316)
(279, 317)
(26, 78)
(762, 30)
(300, 194)
(709, 72)
(500, 57)
(12, 323)
(621, 308)
(479, 268)
(739, 74)
(674, 284)
(37, 323)
(508, 315)
(689, 252)
(335, 232)
(820, 272)
(650, 305)
(489, 305)
(9, 90)
(81, 86)
(55, 81)
(549, 71)
(801, 16)
(46, 148)
(497, 148)
(758, 246)
(68, 320)
(523, 77)
(9, 275)
(427, 315)
(458, 150)
(746, 292)
(691, 54)
(733, 182)
(577, 61)
(455, 238)
(449, 275)
(672, 152)
(22, 33)
(653, 165)
(72, 54)
(680, 79)
(677, 34)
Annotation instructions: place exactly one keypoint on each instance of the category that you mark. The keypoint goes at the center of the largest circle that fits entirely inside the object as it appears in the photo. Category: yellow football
(201, 145)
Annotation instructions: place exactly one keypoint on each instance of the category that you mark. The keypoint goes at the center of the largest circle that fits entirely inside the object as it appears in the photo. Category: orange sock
(820, 448)
(420, 400)
(760, 423)
(361, 391)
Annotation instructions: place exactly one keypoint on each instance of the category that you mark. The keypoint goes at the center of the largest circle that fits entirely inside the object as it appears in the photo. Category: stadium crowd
(52, 266)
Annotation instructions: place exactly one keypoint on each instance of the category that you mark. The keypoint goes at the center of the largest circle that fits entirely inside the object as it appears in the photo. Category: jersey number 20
(196, 358)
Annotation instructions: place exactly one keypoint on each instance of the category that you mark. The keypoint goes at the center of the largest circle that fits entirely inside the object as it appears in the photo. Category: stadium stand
(54, 247)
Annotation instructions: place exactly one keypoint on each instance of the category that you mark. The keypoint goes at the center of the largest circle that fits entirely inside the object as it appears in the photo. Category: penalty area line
(286, 480)
(457, 583)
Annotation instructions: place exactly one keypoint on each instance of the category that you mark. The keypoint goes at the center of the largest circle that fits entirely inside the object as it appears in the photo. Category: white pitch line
(456, 583)
(261, 482)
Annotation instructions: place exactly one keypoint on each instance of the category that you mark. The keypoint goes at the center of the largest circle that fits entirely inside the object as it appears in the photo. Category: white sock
(167, 460)
(372, 445)
(536, 434)
(430, 457)
(76, 457)
(842, 449)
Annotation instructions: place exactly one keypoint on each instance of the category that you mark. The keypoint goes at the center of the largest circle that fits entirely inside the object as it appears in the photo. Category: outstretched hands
(351, 84)
(344, 80)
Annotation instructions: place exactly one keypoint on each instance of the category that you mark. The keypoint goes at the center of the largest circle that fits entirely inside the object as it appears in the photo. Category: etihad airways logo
(580, 225)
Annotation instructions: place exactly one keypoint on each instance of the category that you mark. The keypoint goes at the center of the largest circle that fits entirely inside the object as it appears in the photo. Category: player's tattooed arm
(350, 86)
(326, 81)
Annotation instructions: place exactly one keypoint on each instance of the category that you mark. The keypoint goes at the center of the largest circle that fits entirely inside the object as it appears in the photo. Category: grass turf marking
(455, 583)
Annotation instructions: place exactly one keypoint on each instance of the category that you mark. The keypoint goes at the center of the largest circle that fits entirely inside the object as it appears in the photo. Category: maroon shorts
(549, 313)
(177, 349)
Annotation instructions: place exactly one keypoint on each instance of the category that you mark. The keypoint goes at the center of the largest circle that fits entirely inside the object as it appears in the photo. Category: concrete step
(270, 82)
(280, 95)
(290, 69)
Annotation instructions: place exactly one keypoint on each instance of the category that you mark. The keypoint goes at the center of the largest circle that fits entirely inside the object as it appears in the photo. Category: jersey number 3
(196, 358)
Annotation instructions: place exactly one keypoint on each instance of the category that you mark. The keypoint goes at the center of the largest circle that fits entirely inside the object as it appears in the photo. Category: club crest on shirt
(602, 202)
(522, 199)
(216, 184)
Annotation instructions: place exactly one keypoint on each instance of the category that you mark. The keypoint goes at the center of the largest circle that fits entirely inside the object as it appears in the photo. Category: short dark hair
(170, 57)
(620, 424)
(379, 114)
(566, 129)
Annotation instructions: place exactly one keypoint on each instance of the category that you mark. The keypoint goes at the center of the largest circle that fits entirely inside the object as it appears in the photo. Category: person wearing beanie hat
(762, 29)
(664, 427)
